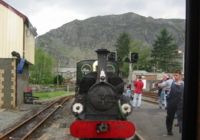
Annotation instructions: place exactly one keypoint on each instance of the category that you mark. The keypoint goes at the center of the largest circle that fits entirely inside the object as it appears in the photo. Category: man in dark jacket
(180, 114)
(174, 100)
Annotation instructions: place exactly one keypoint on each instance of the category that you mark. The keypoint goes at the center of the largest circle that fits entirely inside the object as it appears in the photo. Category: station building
(17, 50)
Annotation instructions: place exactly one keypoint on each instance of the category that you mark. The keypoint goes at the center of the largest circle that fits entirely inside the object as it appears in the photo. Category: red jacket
(138, 86)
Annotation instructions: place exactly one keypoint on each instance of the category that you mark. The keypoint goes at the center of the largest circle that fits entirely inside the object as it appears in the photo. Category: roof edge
(25, 18)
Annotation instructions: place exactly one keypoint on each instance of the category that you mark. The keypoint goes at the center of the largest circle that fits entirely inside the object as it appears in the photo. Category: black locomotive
(99, 106)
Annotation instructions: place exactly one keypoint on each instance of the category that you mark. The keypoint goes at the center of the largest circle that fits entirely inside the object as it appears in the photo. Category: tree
(144, 55)
(41, 71)
(122, 48)
(122, 45)
(165, 57)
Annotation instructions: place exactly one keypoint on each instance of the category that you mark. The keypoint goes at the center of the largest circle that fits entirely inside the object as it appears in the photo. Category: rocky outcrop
(78, 39)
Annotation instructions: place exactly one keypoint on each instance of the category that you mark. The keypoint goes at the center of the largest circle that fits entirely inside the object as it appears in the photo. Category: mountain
(79, 39)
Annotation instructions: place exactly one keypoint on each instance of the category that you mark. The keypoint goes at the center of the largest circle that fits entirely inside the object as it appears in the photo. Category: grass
(50, 95)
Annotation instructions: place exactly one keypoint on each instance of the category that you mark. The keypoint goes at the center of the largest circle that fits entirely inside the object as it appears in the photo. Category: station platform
(150, 123)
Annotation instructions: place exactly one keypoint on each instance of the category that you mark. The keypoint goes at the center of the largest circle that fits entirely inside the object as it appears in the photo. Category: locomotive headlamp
(77, 108)
(102, 76)
(126, 108)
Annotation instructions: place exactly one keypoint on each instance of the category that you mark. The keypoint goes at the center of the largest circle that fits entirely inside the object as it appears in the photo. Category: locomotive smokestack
(102, 61)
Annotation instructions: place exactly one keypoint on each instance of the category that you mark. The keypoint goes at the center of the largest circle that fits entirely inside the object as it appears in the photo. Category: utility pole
(130, 70)
(133, 57)
(182, 52)
(57, 78)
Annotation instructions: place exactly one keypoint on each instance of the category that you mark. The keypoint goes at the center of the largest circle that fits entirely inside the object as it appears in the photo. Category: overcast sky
(49, 14)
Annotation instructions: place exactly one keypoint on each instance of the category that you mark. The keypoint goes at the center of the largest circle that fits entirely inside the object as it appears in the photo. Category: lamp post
(183, 59)
(130, 69)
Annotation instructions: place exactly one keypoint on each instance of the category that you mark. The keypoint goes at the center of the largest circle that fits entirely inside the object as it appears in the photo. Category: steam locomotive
(100, 108)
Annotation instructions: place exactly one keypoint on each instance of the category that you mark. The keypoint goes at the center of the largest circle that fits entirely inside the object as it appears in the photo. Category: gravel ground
(57, 127)
(150, 123)
(9, 117)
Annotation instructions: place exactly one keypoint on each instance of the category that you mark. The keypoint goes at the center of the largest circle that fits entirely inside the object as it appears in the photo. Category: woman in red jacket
(137, 98)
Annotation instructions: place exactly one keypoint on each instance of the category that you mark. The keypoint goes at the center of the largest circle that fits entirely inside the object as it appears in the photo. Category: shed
(17, 42)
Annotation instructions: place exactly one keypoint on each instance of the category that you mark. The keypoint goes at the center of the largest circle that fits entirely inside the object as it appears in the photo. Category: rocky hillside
(78, 39)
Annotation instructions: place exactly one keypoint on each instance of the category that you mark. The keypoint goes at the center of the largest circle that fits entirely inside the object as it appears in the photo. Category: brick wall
(7, 83)
(13, 81)
(1, 86)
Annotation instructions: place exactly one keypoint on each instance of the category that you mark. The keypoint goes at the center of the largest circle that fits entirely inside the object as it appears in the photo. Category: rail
(23, 130)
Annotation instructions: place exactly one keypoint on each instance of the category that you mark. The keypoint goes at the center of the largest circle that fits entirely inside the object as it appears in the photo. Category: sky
(50, 14)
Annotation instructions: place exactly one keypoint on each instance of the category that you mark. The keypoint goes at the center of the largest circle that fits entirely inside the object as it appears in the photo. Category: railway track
(24, 129)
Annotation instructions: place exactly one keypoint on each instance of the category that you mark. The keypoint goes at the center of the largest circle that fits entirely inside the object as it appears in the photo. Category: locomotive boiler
(100, 108)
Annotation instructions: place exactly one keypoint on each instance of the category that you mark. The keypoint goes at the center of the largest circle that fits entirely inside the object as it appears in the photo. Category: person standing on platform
(165, 85)
(159, 93)
(174, 101)
(128, 93)
(137, 97)
(179, 111)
